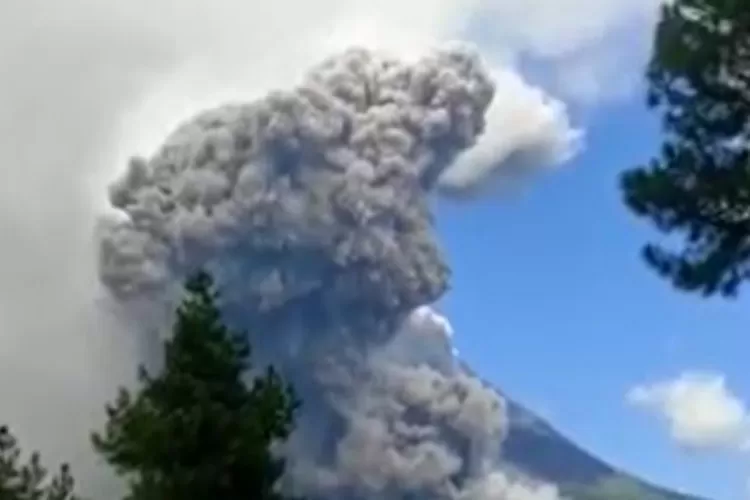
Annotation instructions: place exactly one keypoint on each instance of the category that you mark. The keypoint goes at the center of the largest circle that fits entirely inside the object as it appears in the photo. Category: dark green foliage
(197, 431)
(29, 481)
(699, 186)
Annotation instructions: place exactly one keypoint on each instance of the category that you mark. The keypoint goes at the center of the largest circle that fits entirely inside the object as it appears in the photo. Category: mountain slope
(537, 449)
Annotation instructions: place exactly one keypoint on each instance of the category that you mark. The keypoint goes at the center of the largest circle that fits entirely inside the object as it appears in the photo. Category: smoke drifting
(311, 208)
(87, 83)
(333, 173)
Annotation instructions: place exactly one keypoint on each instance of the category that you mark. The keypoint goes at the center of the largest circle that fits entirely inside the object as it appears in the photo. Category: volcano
(312, 208)
(535, 448)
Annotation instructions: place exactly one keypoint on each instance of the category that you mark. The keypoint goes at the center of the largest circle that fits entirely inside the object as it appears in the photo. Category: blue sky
(551, 301)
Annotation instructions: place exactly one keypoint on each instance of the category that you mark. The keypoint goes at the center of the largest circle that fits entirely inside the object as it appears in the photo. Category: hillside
(536, 448)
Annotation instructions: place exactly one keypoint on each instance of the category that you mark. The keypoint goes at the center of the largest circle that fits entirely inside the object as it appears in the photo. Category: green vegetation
(196, 430)
(29, 480)
(699, 186)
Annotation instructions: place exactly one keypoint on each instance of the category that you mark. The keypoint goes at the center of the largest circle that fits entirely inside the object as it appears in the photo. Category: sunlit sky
(552, 302)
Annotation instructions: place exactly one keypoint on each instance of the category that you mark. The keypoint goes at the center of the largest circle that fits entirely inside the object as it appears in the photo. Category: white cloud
(527, 131)
(426, 322)
(700, 410)
(560, 28)
(86, 83)
(596, 48)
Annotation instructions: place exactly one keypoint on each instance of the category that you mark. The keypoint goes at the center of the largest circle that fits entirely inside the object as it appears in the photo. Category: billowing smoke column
(310, 207)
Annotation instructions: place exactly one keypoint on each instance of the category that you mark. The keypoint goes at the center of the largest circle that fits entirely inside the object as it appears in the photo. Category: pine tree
(29, 481)
(699, 186)
(197, 430)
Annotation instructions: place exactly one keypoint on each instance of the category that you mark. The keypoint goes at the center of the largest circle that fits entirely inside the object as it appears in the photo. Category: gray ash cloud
(311, 207)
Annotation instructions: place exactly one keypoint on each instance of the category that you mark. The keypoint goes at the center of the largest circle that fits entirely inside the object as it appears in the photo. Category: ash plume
(311, 208)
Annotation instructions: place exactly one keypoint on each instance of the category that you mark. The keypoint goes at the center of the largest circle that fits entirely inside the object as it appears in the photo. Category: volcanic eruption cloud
(310, 207)
(308, 197)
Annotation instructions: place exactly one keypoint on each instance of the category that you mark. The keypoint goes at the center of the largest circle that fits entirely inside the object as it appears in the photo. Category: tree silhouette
(29, 481)
(197, 430)
(699, 186)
